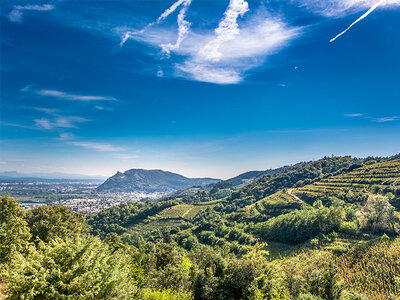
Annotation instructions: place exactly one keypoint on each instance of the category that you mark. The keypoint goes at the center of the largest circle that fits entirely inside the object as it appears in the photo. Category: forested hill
(222, 188)
(150, 181)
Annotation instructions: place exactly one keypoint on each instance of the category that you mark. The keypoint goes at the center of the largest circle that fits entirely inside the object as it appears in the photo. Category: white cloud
(67, 96)
(16, 14)
(226, 31)
(262, 36)
(210, 73)
(97, 146)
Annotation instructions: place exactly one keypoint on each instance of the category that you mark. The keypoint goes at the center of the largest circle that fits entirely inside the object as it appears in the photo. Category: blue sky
(202, 88)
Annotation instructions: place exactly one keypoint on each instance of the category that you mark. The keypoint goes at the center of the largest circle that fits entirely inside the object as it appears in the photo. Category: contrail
(169, 11)
(183, 29)
(159, 20)
(359, 19)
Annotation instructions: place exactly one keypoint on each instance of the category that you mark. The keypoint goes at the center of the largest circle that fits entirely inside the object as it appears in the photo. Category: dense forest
(327, 229)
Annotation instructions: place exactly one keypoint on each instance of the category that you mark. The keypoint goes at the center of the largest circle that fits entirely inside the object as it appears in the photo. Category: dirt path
(289, 192)
(186, 212)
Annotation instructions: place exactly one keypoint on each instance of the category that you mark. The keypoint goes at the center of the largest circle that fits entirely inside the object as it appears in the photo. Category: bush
(166, 294)
(350, 228)
(378, 216)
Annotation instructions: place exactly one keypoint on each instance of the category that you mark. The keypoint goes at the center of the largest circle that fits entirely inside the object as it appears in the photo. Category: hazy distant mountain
(17, 175)
(150, 181)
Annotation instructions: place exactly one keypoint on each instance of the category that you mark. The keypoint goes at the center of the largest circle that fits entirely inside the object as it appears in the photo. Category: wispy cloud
(49, 111)
(374, 119)
(74, 97)
(16, 14)
(353, 115)
(58, 122)
(385, 119)
(97, 146)
(342, 8)
(66, 136)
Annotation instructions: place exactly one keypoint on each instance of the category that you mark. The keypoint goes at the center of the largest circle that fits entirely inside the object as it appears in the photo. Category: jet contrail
(159, 20)
(169, 11)
(359, 19)
(183, 29)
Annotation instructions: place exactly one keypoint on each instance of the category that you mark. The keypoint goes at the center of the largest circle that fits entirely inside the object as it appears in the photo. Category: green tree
(49, 222)
(14, 233)
(378, 216)
(71, 268)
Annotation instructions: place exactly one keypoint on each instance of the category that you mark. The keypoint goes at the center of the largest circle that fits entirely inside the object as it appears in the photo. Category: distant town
(79, 195)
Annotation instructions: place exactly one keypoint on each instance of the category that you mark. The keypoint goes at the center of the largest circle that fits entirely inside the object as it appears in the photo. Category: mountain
(17, 175)
(150, 181)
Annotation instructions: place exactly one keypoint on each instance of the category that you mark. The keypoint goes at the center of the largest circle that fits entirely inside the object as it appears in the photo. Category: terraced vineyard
(172, 216)
(278, 203)
(374, 178)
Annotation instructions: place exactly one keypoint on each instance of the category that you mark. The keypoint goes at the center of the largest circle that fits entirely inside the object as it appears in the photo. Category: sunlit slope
(274, 205)
(380, 178)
